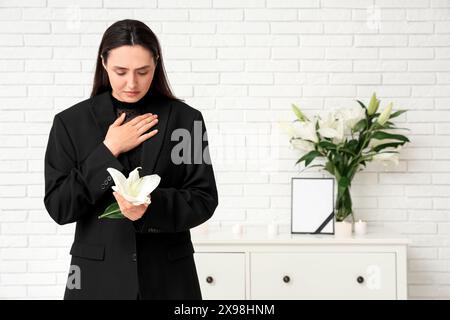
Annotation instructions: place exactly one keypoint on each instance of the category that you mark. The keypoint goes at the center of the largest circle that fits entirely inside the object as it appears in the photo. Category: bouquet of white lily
(346, 139)
(134, 189)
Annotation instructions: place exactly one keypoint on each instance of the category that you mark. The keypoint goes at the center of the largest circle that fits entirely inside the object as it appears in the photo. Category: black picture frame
(308, 214)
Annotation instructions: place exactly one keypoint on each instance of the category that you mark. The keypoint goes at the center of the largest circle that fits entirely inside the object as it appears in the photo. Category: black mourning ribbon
(324, 223)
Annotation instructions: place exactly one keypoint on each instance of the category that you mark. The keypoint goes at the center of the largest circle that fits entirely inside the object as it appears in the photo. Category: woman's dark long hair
(129, 33)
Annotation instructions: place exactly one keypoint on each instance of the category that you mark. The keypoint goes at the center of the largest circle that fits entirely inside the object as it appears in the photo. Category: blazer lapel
(151, 148)
(103, 111)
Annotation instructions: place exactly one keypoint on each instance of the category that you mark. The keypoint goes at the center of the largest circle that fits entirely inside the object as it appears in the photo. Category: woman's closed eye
(139, 73)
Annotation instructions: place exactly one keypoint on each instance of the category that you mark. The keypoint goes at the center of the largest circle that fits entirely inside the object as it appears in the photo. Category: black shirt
(132, 109)
(132, 158)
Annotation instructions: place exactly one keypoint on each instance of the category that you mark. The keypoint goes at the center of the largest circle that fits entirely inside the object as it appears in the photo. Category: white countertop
(261, 237)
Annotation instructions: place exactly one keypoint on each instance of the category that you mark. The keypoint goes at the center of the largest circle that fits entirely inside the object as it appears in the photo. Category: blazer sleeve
(176, 210)
(72, 188)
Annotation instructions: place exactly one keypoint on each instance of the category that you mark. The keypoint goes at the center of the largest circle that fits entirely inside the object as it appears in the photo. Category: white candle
(360, 227)
(272, 229)
(342, 229)
(237, 229)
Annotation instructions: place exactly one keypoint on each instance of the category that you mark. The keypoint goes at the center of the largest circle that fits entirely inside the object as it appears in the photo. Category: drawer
(221, 275)
(323, 276)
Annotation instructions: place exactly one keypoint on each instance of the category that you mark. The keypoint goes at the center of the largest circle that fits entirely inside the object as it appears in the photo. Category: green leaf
(360, 125)
(329, 167)
(115, 216)
(362, 105)
(352, 145)
(387, 145)
(309, 157)
(381, 135)
(389, 125)
(347, 151)
(327, 145)
(343, 184)
(112, 212)
(397, 113)
(337, 160)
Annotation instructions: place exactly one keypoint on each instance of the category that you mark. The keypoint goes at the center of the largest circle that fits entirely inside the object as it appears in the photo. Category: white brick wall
(242, 63)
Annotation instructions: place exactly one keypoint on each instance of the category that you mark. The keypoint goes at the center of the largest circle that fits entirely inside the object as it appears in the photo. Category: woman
(131, 120)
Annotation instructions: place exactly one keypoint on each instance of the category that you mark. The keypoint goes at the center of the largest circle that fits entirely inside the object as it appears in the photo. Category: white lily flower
(387, 158)
(340, 132)
(134, 189)
(302, 145)
(351, 116)
(288, 128)
(332, 126)
(306, 131)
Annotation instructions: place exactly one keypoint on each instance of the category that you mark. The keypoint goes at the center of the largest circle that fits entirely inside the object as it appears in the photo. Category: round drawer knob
(286, 279)
(209, 279)
(360, 279)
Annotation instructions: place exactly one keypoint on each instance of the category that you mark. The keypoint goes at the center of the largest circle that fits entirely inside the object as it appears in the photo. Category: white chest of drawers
(256, 266)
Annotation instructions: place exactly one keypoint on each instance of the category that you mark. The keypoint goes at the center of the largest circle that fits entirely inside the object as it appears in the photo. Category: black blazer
(118, 258)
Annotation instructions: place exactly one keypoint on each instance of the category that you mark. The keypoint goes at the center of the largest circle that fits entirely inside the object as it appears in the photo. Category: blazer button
(109, 178)
(134, 257)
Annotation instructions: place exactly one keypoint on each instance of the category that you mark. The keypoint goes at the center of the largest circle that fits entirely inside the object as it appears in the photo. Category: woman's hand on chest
(122, 137)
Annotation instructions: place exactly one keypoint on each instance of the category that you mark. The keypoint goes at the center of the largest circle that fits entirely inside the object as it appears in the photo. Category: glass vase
(343, 208)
